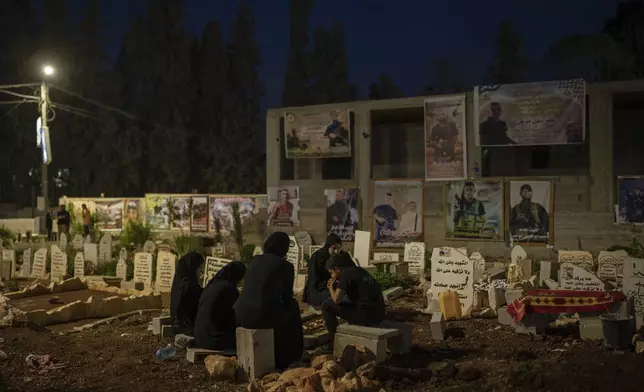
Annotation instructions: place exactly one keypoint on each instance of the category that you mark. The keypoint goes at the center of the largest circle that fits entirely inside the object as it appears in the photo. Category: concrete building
(386, 145)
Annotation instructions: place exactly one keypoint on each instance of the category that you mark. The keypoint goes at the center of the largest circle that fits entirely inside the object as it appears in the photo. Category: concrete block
(197, 355)
(183, 341)
(368, 332)
(504, 317)
(393, 293)
(548, 270)
(377, 346)
(512, 294)
(496, 297)
(437, 326)
(526, 266)
(399, 344)
(158, 322)
(590, 326)
(167, 331)
(533, 324)
(256, 351)
(316, 339)
(132, 286)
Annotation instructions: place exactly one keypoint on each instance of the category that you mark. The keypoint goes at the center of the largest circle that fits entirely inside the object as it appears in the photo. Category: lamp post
(47, 71)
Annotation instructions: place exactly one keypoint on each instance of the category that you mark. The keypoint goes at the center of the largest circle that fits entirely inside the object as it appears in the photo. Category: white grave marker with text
(634, 286)
(39, 268)
(415, 255)
(212, 266)
(25, 268)
(58, 264)
(580, 258)
(105, 249)
(143, 268)
(79, 265)
(90, 251)
(166, 263)
(574, 277)
(386, 257)
(452, 270)
(611, 266)
(293, 255)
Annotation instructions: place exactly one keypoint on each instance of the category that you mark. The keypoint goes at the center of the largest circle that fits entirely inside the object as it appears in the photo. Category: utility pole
(44, 102)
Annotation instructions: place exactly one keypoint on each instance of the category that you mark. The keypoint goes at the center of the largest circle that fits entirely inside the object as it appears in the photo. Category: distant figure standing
(87, 220)
(49, 224)
(63, 220)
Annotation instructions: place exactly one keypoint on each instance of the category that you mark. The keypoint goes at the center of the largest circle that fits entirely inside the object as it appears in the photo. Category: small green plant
(238, 226)
(106, 269)
(634, 249)
(135, 233)
(7, 236)
(188, 243)
(388, 280)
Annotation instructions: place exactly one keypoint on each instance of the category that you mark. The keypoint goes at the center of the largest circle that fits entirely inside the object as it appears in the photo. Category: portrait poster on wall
(474, 210)
(530, 214)
(317, 135)
(530, 114)
(109, 214)
(284, 206)
(630, 206)
(134, 210)
(445, 138)
(397, 213)
(199, 218)
(342, 212)
(221, 211)
(180, 212)
(156, 211)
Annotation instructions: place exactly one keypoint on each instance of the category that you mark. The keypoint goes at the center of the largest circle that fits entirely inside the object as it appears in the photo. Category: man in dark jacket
(267, 302)
(315, 291)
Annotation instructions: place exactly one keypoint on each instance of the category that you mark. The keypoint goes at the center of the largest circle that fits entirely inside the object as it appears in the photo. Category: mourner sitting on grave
(267, 302)
(185, 293)
(216, 323)
(355, 295)
(315, 291)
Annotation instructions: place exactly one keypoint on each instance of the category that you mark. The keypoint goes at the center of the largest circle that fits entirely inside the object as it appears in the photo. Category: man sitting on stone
(355, 295)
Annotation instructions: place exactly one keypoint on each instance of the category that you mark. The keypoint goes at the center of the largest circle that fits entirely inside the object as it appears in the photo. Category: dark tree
(509, 65)
(385, 88)
(297, 75)
(627, 28)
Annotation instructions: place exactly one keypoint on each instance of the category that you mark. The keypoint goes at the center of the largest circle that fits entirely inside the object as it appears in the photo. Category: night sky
(395, 37)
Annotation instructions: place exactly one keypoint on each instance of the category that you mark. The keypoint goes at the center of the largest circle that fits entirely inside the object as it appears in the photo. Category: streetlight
(48, 70)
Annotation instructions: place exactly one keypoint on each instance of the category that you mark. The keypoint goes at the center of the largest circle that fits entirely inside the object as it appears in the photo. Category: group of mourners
(335, 285)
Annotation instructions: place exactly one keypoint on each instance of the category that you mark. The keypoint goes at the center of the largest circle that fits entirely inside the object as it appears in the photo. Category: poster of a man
(397, 213)
(181, 212)
(283, 206)
(109, 214)
(531, 206)
(317, 135)
(630, 208)
(157, 213)
(445, 138)
(132, 210)
(474, 210)
(342, 212)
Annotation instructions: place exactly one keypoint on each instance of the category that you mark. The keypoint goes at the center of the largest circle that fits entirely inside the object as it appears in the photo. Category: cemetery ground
(478, 354)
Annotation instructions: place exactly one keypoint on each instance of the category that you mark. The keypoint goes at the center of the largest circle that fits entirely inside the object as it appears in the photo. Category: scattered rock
(332, 369)
(443, 369)
(3, 356)
(351, 382)
(293, 375)
(221, 368)
(370, 385)
(354, 356)
(468, 373)
(318, 361)
(368, 370)
(269, 378)
(278, 386)
(255, 386)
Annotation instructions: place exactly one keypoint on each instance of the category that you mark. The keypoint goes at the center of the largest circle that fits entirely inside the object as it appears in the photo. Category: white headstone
(452, 270)
(63, 240)
(415, 255)
(634, 286)
(478, 264)
(166, 263)
(386, 256)
(362, 247)
(123, 254)
(39, 268)
(90, 252)
(293, 255)
(58, 264)
(77, 242)
(580, 258)
(9, 257)
(149, 247)
(79, 265)
(213, 265)
(88, 239)
(518, 253)
(611, 266)
(25, 268)
(121, 270)
(258, 251)
(574, 277)
(143, 268)
(303, 238)
(105, 249)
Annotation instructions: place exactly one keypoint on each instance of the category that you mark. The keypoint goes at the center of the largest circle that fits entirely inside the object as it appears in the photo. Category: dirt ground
(42, 301)
(479, 354)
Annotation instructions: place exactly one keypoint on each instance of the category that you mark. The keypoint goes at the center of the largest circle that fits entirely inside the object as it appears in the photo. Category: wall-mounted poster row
(317, 135)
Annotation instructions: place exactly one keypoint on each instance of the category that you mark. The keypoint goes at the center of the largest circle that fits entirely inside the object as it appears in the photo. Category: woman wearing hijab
(315, 290)
(267, 302)
(185, 293)
(215, 323)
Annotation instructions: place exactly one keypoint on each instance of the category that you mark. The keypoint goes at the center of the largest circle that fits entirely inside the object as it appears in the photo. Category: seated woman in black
(315, 291)
(185, 293)
(355, 295)
(215, 323)
(267, 302)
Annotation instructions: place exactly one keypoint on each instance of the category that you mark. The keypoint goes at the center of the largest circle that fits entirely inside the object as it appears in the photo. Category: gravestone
(611, 266)
(634, 286)
(143, 268)
(574, 277)
(518, 253)
(90, 251)
(303, 238)
(39, 268)
(386, 257)
(63, 240)
(123, 254)
(121, 270)
(166, 263)
(579, 258)
(9, 257)
(105, 249)
(88, 239)
(212, 266)
(77, 242)
(25, 268)
(415, 256)
(362, 247)
(149, 247)
(314, 248)
(58, 264)
(478, 265)
(258, 251)
(79, 265)
(293, 255)
(453, 270)
(548, 270)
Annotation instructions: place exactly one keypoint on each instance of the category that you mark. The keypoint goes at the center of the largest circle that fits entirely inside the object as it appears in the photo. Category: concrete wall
(583, 214)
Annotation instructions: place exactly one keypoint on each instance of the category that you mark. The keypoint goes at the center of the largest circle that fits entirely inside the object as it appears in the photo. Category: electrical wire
(32, 97)
(6, 86)
(79, 112)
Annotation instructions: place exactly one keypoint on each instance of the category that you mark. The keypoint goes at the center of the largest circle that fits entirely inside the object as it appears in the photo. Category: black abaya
(185, 293)
(315, 290)
(267, 302)
(215, 323)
